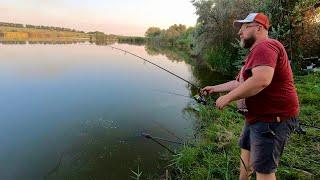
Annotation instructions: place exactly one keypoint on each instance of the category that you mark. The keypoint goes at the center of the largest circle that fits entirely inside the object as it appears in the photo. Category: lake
(78, 110)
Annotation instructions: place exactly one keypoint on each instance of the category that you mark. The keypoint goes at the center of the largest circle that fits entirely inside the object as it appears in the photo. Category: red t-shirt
(279, 99)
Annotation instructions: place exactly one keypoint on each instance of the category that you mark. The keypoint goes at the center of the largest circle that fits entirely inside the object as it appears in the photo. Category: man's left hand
(223, 101)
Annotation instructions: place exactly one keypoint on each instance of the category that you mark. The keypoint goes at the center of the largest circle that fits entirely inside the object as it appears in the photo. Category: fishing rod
(148, 136)
(55, 168)
(167, 130)
(158, 139)
(125, 51)
(310, 126)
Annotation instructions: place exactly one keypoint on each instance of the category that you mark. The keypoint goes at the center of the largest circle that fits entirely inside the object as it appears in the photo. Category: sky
(121, 17)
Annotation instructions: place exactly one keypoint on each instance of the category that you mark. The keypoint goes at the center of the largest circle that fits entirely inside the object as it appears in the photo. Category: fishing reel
(200, 99)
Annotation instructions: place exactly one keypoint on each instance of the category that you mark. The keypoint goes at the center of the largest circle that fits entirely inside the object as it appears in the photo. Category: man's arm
(228, 86)
(260, 79)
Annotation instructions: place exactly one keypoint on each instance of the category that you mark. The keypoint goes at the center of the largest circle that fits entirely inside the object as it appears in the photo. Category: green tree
(153, 32)
(293, 23)
(174, 32)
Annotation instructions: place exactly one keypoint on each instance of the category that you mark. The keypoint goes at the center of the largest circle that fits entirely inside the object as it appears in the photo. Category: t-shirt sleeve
(263, 55)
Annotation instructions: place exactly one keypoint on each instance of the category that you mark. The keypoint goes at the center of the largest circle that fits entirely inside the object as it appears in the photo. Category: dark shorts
(266, 141)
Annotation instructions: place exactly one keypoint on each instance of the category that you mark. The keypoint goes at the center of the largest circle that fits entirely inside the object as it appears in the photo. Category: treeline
(175, 35)
(296, 23)
(53, 28)
(102, 38)
(131, 39)
(11, 25)
(42, 42)
(39, 27)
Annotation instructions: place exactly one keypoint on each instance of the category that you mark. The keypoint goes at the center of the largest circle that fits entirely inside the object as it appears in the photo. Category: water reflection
(202, 74)
(77, 111)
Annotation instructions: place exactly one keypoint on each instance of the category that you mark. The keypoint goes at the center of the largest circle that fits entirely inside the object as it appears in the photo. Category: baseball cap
(255, 17)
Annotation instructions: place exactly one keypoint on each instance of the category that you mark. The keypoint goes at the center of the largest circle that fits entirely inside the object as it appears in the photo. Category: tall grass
(137, 175)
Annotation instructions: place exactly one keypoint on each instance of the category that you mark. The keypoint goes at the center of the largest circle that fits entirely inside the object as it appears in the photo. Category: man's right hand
(207, 90)
(225, 87)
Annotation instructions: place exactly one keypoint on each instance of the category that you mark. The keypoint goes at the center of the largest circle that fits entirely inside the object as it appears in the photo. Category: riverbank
(217, 154)
(24, 33)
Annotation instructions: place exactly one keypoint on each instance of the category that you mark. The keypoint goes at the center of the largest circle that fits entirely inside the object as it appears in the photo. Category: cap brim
(238, 23)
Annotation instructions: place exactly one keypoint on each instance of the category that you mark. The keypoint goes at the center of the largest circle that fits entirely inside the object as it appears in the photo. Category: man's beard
(247, 43)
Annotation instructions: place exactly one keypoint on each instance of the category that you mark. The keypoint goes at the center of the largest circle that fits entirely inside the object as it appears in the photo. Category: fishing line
(146, 60)
(171, 93)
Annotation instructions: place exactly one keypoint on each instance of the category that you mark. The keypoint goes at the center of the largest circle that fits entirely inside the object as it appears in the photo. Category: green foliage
(216, 155)
(136, 174)
(214, 34)
(153, 32)
(131, 39)
(219, 57)
(308, 88)
(239, 58)
(175, 35)
(293, 23)
(214, 38)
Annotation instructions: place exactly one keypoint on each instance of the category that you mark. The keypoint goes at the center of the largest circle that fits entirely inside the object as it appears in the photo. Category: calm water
(77, 111)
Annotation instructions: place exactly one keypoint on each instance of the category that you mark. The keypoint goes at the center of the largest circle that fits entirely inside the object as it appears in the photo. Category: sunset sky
(121, 17)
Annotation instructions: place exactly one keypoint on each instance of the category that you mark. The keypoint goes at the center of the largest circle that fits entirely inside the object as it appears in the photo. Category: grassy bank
(217, 154)
(23, 33)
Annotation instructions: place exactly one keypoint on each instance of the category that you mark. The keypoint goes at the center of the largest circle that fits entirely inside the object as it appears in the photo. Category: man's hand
(207, 90)
(223, 101)
(228, 86)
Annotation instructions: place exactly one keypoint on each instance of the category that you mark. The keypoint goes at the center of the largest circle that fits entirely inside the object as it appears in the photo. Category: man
(266, 95)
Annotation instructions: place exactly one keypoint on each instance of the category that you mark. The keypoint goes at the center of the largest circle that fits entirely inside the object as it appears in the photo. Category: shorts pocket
(261, 133)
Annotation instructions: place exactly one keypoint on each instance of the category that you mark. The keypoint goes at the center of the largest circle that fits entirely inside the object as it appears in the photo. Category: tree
(153, 32)
(174, 32)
